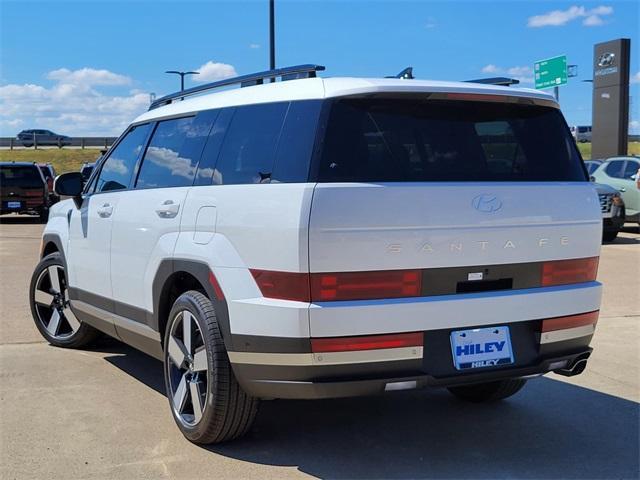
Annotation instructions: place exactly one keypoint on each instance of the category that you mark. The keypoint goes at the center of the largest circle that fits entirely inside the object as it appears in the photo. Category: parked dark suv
(23, 189)
(42, 137)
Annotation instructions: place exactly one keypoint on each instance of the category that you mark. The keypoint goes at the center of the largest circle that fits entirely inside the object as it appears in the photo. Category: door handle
(105, 210)
(168, 209)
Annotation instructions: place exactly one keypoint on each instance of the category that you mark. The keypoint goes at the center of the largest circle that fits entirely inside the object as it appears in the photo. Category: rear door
(147, 221)
(415, 183)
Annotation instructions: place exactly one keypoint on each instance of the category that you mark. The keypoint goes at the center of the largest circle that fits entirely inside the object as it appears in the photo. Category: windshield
(413, 140)
(20, 176)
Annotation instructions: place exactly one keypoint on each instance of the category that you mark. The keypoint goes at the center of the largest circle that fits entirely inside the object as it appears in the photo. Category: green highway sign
(551, 72)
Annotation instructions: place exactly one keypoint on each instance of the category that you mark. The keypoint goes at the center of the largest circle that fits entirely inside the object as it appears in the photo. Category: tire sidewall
(53, 259)
(187, 302)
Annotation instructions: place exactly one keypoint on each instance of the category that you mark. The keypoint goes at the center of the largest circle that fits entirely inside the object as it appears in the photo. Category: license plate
(13, 204)
(481, 347)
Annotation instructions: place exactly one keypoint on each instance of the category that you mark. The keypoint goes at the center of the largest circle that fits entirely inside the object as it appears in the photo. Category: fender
(200, 271)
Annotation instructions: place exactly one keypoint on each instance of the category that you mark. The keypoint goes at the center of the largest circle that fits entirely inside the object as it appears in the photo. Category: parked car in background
(592, 165)
(49, 174)
(613, 211)
(42, 137)
(621, 173)
(86, 170)
(23, 189)
(581, 133)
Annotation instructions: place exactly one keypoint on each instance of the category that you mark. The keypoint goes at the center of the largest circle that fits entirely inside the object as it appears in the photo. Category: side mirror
(592, 178)
(69, 185)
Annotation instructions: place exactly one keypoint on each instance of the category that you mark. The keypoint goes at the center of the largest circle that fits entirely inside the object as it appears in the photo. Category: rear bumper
(342, 374)
(353, 387)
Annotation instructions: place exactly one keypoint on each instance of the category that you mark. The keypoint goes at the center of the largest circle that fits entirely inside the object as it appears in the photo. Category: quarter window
(118, 169)
(172, 156)
(249, 147)
(631, 168)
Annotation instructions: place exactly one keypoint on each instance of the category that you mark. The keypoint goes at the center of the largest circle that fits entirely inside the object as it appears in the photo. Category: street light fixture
(182, 74)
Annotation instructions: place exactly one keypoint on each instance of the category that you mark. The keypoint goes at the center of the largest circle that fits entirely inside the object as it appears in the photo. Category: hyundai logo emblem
(487, 203)
(606, 59)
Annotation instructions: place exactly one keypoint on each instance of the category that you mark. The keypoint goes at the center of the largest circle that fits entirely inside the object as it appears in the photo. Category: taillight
(33, 193)
(283, 285)
(571, 321)
(562, 272)
(369, 342)
(326, 287)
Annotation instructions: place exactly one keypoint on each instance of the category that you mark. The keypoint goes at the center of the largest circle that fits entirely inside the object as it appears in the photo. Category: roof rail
(503, 81)
(285, 73)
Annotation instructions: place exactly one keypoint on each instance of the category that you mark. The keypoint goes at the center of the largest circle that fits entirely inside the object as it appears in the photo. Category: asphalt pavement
(102, 413)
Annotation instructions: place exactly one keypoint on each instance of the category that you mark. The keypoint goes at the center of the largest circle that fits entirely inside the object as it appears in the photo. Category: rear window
(20, 176)
(416, 140)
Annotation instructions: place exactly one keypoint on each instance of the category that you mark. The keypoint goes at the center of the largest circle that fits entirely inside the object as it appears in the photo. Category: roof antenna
(406, 74)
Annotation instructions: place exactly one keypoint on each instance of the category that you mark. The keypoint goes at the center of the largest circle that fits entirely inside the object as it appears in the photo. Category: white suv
(328, 237)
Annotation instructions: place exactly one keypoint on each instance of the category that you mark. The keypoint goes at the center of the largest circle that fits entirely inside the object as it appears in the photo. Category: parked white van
(581, 133)
(328, 237)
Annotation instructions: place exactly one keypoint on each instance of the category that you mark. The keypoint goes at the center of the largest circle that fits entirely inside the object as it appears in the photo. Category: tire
(488, 392)
(44, 215)
(50, 309)
(222, 411)
(609, 236)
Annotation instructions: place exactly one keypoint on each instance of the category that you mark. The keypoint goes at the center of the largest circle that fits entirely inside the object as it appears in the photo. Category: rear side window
(249, 147)
(417, 140)
(172, 156)
(117, 170)
(631, 168)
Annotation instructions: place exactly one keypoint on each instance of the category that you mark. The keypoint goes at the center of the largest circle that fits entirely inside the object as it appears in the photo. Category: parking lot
(101, 413)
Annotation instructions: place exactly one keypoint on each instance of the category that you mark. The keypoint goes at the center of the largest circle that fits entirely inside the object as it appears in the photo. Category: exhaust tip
(576, 369)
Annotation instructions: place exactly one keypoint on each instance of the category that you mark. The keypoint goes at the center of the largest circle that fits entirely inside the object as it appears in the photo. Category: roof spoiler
(502, 81)
(285, 73)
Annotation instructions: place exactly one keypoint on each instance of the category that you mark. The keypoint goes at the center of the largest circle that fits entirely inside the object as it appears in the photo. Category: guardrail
(82, 142)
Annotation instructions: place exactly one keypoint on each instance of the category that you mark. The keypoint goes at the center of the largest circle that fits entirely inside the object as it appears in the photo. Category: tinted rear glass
(20, 176)
(414, 140)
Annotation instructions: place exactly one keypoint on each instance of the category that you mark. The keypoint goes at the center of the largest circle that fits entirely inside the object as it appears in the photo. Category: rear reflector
(572, 321)
(563, 272)
(371, 342)
(326, 287)
(283, 285)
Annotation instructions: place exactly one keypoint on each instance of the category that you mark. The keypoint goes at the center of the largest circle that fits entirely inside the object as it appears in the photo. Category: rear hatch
(21, 187)
(452, 183)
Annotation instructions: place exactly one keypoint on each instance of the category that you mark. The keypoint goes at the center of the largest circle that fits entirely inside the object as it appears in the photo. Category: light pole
(272, 37)
(182, 74)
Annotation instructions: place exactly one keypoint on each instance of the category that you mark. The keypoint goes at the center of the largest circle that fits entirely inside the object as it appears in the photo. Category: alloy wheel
(51, 299)
(187, 369)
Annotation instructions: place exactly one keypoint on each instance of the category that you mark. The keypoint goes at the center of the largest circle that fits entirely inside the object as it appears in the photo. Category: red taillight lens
(33, 193)
(572, 321)
(563, 272)
(283, 285)
(326, 287)
(370, 342)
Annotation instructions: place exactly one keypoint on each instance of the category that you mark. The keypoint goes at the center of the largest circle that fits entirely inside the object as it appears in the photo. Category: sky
(87, 67)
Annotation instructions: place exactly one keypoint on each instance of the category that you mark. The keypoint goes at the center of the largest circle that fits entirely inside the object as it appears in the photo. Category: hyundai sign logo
(487, 203)
(606, 59)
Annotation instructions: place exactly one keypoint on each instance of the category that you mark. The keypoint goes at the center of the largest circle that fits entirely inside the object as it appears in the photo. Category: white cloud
(71, 106)
(491, 68)
(431, 23)
(593, 21)
(522, 73)
(254, 45)
(212, 71)
(557, 18)
(88, 76)
(635, 78)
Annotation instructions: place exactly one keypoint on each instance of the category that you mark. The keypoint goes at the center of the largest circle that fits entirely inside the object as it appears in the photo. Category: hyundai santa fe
(329, 237)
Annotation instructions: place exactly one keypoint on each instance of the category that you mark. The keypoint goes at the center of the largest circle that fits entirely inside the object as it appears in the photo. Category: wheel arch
(176, 276)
